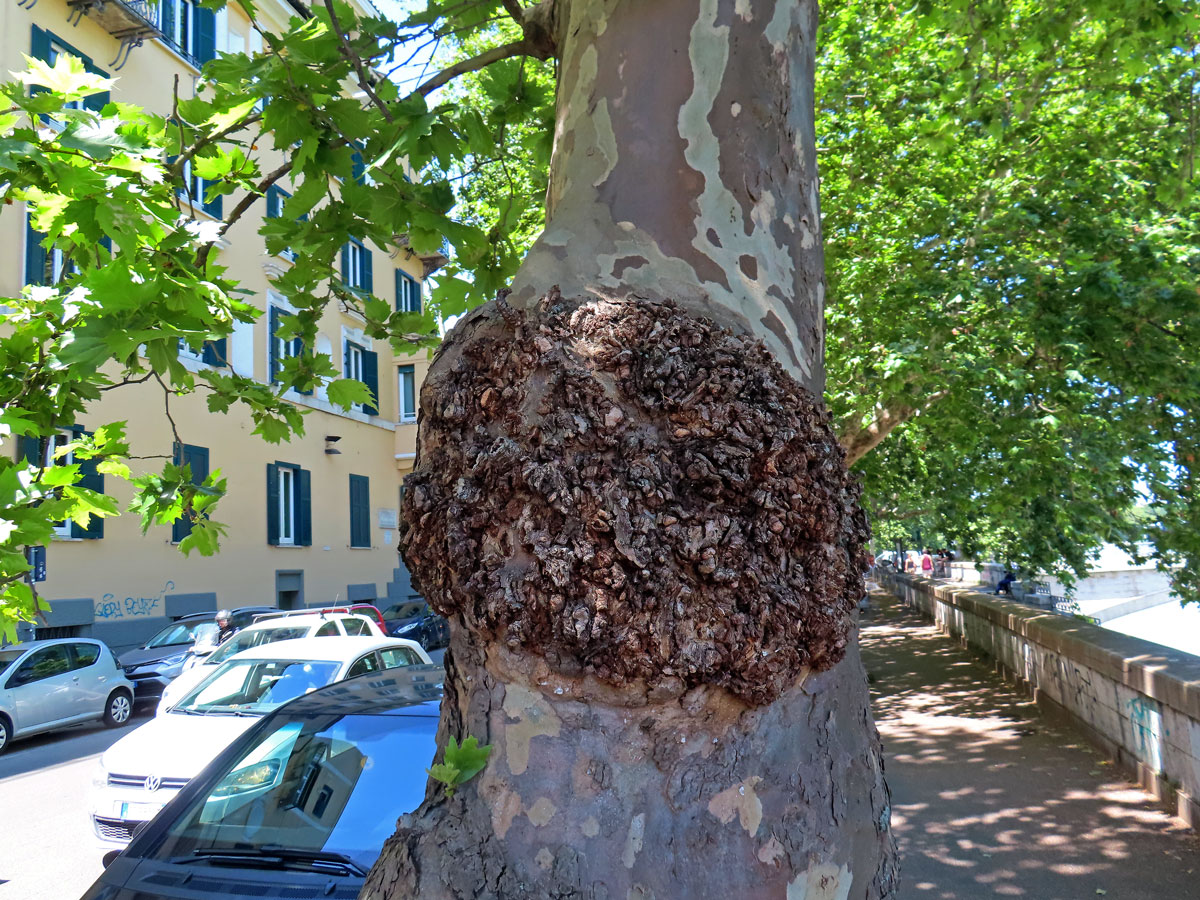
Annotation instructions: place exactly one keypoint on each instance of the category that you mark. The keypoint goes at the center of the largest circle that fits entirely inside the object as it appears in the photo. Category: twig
(355, 60)
(167, 406)
(475, 63)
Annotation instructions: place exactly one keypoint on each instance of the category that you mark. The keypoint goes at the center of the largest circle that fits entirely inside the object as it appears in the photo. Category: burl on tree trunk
(630, 503)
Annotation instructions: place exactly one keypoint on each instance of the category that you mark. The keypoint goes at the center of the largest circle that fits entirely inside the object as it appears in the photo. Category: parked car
(141, 772)
(51, 684)
(298, 806)
(264, 631)
(156, 663)
(362, 609)
(416, 620)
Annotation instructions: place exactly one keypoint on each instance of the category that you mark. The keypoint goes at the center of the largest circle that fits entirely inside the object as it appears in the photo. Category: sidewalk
(989, 799)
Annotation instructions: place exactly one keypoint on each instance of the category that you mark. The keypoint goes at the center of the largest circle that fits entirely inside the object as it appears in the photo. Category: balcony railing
(129, 21)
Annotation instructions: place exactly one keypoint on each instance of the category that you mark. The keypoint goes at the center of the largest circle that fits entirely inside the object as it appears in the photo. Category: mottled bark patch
(634, 493)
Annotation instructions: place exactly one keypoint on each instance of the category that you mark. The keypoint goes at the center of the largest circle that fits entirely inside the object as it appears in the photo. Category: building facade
(311, 522)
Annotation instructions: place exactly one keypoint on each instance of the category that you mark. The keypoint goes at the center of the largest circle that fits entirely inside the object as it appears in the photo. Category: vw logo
(153, 782)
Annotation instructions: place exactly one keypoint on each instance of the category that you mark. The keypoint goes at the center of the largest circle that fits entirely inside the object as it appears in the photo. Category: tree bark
(630, 503)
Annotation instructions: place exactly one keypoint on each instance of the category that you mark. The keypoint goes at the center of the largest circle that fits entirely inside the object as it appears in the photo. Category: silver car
(50, 684)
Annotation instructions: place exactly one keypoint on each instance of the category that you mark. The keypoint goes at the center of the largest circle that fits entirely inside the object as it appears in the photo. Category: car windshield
(176, 633)
(9, 655)
(256, 686)
(404, 610)
(247, 639)
(322, 784)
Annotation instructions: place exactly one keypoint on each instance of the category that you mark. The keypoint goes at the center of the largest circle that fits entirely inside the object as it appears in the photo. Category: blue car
(299, 806)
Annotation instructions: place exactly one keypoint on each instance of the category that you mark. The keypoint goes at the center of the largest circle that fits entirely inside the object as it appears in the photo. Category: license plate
(140, 812)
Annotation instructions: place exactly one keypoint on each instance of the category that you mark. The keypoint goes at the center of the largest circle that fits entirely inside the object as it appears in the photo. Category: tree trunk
(630, 503)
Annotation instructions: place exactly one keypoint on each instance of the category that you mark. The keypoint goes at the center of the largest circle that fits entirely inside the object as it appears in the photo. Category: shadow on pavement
(991, 800)
(44, 751)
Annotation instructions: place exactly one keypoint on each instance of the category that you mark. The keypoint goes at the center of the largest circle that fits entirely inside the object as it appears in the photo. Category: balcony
(431, 260)
(129, 21)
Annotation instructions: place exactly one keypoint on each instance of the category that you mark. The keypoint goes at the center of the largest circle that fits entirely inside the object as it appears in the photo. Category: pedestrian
(927, 563)
(225, 624)
(1006, 583)
(910, 562)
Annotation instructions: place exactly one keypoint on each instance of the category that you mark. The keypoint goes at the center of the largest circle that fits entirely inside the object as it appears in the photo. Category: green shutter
(360, 511)
(273, 504)
(204, 35)
(35, 255)
(31, 450)
(274, 203)
(214, 352)
(346, 264)
(368, 284)
(93, 480)
(40, 46)
(95, 102)
(371, 380)
(273, 350)
(304, 507)
(197, 458)
(167, 22)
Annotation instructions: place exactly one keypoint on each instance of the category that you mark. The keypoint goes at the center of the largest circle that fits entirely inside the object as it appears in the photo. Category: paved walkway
(989, 799)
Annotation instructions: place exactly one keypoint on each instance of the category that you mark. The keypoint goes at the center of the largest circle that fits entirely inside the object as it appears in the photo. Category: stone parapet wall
(1137, 701)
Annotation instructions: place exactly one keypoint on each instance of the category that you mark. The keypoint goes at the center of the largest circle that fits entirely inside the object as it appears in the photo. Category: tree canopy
(1009, 208)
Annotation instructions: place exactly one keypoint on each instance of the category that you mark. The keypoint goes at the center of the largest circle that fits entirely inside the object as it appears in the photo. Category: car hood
(174, 745)
(154, 654)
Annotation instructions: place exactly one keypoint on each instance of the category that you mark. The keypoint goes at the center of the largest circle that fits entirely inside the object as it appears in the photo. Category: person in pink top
(927, 564)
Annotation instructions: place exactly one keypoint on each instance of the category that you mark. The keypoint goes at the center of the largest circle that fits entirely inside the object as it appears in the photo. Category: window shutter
(95, 102)
(346, 264)
(91, 479)
(304, 507)
(216, 206)
(346, 358)
(371, 380)
(197, 458)
(368, 284)
(214, 352)
(40, 48)
(35, 255)
(167, 15)
(273, 350)
(274, 203)
(357, 167)
(273, 504)
(360, 511)
(31, 450)
(205, 36)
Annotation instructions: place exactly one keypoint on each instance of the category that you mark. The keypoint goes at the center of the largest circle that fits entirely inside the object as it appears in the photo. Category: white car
(143, 771)
(54, 683)
(290, 626)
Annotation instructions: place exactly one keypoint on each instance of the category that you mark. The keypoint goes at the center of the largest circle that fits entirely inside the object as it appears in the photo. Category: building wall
(126, 585)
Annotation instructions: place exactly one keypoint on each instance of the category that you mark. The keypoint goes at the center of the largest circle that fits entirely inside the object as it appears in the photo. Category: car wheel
(5, 733)
(118, 710)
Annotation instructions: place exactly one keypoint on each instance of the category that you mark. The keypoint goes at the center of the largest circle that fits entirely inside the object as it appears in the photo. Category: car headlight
(175, 660)
(247, 778)
(405, 629)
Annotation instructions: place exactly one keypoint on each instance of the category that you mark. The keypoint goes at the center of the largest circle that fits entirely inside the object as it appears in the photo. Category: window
(48, 47)
(197, 459)
(278, 348)
(276, 198)
(211, 354)
(360, 511)
(197, 189)
(355, 626)
(43, 266)
(41, 453)
(364, 666)
(408, 394)
(394, 657)
(85, 655)
(289, 505)
(45, 663)
(329, 629)
(356, 267)
(362, 365)
(408, 293)
(189, 29)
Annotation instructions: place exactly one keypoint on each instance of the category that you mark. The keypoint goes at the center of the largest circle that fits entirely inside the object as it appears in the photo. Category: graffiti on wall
(1145, 719)
(109, 607)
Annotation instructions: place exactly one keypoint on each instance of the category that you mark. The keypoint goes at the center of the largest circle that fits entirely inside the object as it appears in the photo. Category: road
(46, 846)
(47, 851)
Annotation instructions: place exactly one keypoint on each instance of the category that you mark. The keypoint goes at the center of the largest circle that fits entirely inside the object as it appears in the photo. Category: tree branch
(355, 60)
(475, 63)
(244, 204)
(860, 441)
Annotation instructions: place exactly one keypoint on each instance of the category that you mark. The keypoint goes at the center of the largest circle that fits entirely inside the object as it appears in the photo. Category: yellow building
(311, 522)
